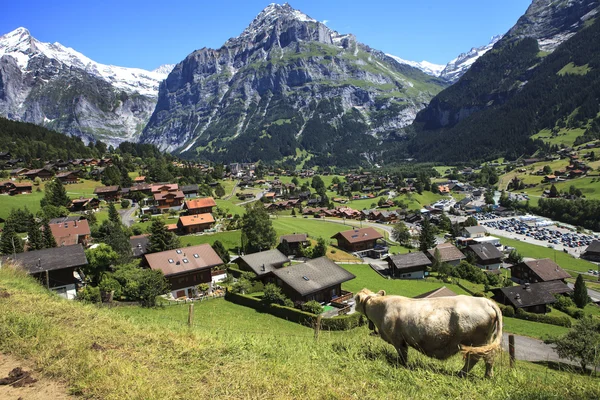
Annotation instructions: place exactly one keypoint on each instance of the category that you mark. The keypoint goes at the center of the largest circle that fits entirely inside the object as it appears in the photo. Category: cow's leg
(402, 350)
(489, 367)
(470, 361)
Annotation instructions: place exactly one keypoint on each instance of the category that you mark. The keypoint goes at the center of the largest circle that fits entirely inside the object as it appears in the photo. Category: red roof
(359, 235)
(197, 219)
(200, 203)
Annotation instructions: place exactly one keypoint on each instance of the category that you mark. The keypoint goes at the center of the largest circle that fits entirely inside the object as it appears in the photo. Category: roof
(106, 189)
(163, 195)
(294, 238)
(409, 260)
(267, 259)
(51, 259)
(67, 228)
(66, 174)
(537, 293)
(473, 230)
(167, 187)
(139, 244)
(190, 220)
(441, 292)
(189, 188)
(200, 203)
(547, 269)
(65, 219)
(174, 262)
(358, 235)
(486, 251)
(594, 247)
(448, 252)
(313, 276)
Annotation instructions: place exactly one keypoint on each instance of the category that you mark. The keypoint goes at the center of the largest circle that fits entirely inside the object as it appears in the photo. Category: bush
(257, 286)
(109, 284)
(89, 294)
(342, 322)
(312, 307)
(273, 295)
(546, 319)
(125, 203)
(507, 311)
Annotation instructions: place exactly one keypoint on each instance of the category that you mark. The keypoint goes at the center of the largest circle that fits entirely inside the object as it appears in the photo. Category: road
(128, 215)
(235, 187)
(530, 349)
(258, 196)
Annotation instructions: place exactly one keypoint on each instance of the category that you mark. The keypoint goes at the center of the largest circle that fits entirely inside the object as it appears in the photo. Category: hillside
(234, 352)
(542, 74)
(288, 83)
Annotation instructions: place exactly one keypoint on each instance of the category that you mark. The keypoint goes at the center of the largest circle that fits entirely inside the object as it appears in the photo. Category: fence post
(191, 315)
(318, 326)
(511, 349)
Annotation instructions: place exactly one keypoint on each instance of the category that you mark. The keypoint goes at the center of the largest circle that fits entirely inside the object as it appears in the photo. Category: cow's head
(363, 296)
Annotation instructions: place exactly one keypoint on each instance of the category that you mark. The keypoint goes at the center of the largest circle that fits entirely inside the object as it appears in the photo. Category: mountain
(425, 66)
(461, 64)
(55, 86)
(541, 74)
(287, 88)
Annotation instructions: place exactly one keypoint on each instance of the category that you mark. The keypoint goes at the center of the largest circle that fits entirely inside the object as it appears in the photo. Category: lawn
(231, 239)
(314, 227)
(533, 329)
(564, 137)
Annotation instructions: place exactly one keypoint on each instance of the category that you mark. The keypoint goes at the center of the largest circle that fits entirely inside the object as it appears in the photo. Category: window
(196, 256)
(170, 261)
(305, 278)
(185, 261)
(178, 251)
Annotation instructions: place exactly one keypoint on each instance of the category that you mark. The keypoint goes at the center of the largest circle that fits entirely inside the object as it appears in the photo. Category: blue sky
(146, 34)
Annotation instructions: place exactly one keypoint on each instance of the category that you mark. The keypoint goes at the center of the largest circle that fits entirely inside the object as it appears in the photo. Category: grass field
(564, 137)
(231, 240)
(235, 352)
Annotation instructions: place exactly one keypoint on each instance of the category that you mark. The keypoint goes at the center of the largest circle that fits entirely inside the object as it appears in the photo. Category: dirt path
(41, 389)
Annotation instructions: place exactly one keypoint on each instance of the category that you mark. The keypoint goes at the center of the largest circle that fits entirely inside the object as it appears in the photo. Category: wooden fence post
(511, 349)
(191, 315)
(318, 326)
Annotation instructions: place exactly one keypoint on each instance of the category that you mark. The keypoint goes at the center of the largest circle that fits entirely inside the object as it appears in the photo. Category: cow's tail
(488, 351)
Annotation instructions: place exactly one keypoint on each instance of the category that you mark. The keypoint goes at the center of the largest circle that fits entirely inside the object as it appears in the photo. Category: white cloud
(325, 21)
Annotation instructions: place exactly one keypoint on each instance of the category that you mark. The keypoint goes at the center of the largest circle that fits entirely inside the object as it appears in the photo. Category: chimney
(527, 286)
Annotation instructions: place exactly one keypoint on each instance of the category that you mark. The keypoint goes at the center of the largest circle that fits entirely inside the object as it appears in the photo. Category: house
(71, 232)
(14, 188)
(43, 173)
(108, 193)
(164, 187)
(262, 263)
(56, 268)
(5, 155)
(15, 173)
(61, 220)
(67, 177)
(139, 245)
(534, 297)
(357, 239)
(474, 231)
(185, 268)
(408, 266)
(449, 254)
(319, 279)
(441, 292)
(592, 253)
(200, 206)
(487, 256)
(82, 204)
(139, 179)
(190, 191)
(165, 200)
(195, 223)
(533, 271)
(295, 241)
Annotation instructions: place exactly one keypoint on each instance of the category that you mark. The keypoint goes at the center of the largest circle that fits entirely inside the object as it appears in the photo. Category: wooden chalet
(262, 263)
(319, 279)
(190, 191)
(167, 200)
(67, 177)
(108, 193)
(449, 254)
(14, 188)
(185, 268)
(69, 233)
(531, 297)
(56, 268)
(592, 252)
(357, 239)
(533, 271)
(408, 266)
(295, 241)
(42, 173)
(199, 206)
(487, 256)
(81, 204)
(195, 223)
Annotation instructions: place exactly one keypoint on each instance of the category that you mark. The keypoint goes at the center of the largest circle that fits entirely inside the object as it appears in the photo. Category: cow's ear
(381, 293)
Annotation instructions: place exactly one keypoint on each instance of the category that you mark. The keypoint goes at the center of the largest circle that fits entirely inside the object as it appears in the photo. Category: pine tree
(55, 195)
(221, 251)
(553, 191)
(113, 214)
(34, 235)
(10, 242)
(580, 294)
(427, 236)
(48, 237)
(160, 238)
(219, 191)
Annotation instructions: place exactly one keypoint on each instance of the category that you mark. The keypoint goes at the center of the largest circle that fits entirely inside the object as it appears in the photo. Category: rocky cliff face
(55, 86)
(461, 64)
(288, 84)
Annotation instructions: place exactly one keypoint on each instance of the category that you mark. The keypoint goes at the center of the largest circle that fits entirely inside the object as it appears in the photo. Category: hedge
(234, 271)
(342, 322)
(509, 311)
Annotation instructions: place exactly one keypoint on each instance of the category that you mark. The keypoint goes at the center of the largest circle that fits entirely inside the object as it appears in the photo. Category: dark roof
(49, 259)
(475, 229)
(139, 244)
(358, 235)
(537, 293)
(594, 247)
(294, 238)
(440, 292)
(448, 252)
(409, 260)
(65, 219)
(547, 269)
(313, 276)
(189, 188)
(269, 259)
(106, 189)
(186, 259)
(486, 251)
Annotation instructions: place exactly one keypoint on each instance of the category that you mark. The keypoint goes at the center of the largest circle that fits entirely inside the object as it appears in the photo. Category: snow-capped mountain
(425, 66)
(461, 64)
(56, 86)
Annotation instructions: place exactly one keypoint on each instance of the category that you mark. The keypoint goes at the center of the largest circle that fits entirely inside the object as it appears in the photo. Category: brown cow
(438, 327)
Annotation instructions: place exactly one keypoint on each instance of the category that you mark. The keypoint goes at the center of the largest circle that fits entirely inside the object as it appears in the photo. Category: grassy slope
(139, 354)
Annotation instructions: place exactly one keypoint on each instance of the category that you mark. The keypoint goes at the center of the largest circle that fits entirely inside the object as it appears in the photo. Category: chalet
(200, 206)
(533, 271)
(139, 179)
(319, 279)
(592, 252)
(15, 188)
(185, 268)
(408, 266)
(139, 245)
(167, 200)
(144, 188)
(449, 254)
(474, 231)
(295, 241)
(357, 239)
(441, 292)
(108, 193)
(534, 297)
(43, 173)
(56, 268)
(195, 223)
(270, 196)
(262, 263)
(164, 187)
(18, 172)
(487, 256)
(72, 232)
(82, 204)
(5, 155)
(190, 191)
(67, 177)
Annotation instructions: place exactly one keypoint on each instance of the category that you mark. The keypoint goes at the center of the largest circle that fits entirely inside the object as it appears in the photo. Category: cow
(437, 327)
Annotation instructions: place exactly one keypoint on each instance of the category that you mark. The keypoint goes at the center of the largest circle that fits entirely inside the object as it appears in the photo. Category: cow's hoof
(462, 374)
(374, 334)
